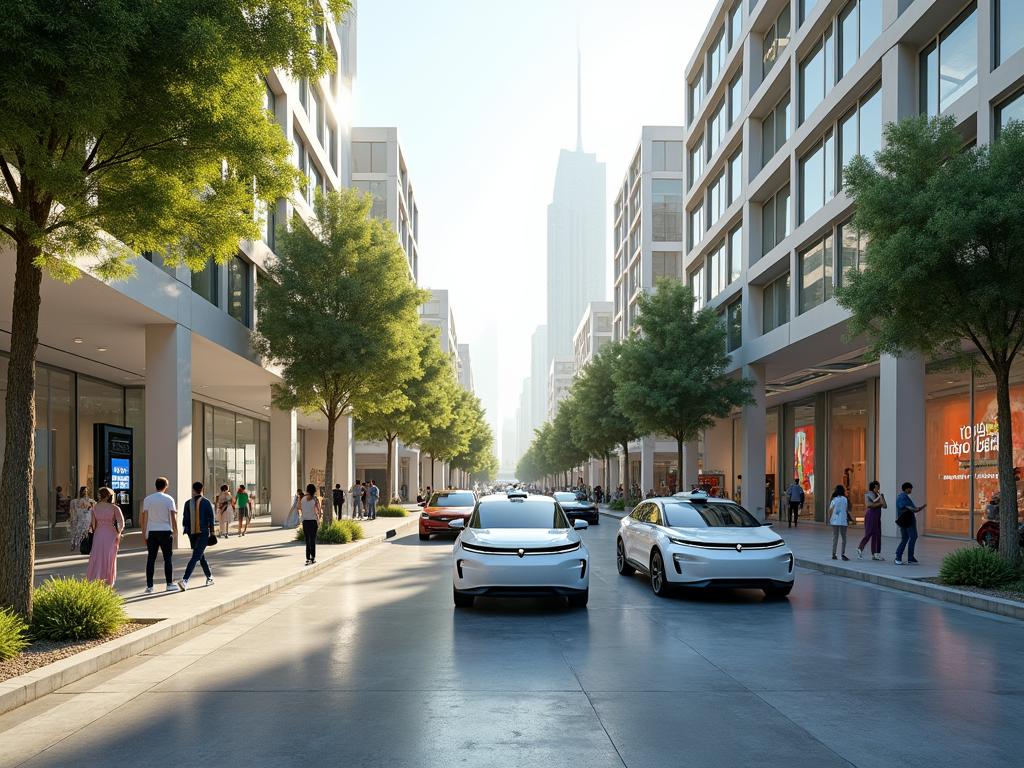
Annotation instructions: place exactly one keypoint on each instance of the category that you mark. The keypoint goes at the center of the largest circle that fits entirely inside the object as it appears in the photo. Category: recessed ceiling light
(951, 382)
(78, 341)
(266, 407)
(101, 349)
(203, 386)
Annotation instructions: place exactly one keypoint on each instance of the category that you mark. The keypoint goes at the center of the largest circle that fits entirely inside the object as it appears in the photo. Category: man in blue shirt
(198, 521)
(906, 519)
(372, 494)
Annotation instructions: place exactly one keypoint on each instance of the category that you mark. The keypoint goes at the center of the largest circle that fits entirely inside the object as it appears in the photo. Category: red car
(442, 508)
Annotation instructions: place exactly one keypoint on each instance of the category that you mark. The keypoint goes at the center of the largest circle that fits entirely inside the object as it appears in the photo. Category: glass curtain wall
(771, 462)
(232, 449)
(801, 444)
(98, 403)
(847, 455)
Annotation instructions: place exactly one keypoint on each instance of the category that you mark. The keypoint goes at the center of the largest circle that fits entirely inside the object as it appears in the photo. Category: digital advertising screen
(120, 474)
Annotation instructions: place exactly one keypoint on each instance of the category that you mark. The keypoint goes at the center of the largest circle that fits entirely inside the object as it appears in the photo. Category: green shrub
(392, 512)
(12, 634)
(617, 504)
(338, 532)
(975, 567)
(76, 609)
(355, 529)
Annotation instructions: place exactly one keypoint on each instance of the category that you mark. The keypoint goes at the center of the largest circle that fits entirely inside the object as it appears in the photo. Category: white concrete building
(438, 312)
(560, 377)
(465, 368)
(780, 96)
(593, 332)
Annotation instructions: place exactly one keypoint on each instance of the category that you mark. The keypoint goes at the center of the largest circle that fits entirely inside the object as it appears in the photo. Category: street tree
(444, 442)
(564, 452)
(340, 315)
(599, 423)
(479, 453)
(129, 127)
(672, 377)
(945, 261)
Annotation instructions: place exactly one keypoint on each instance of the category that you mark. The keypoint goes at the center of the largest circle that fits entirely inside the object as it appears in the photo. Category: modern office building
(524, 420)
(465, 368)
(539, 370)
(438, 312)
(593, 333)
(780, 96)
(167, 353)
(560, 378)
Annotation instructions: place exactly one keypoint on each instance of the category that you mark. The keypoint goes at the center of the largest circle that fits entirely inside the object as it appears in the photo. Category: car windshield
(457, 499)
(518, 514)
(710, 515)
(563, 496)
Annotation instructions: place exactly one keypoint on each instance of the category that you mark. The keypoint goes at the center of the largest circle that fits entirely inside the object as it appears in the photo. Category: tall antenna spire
(579, 88)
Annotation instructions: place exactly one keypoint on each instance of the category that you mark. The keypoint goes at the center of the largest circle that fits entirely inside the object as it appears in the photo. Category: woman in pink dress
(107, 524)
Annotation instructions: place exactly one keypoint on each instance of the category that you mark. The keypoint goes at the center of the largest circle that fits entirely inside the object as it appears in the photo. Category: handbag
(906, 519)
(212, 540)
(85, 547)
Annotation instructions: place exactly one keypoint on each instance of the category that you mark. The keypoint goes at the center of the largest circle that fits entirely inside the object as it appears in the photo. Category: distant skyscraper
(576, 242)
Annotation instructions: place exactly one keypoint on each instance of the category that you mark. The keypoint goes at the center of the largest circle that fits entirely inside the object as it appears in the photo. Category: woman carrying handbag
(106, 525)
(295, 515)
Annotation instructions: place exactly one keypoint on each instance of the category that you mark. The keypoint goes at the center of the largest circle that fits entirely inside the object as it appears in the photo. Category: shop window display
(848, 429)
(801, 447)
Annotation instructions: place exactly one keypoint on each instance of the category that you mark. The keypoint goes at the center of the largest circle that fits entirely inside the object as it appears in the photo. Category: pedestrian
(294, 515)
(81, 516)
(906, 520)
(839, 506)
(769, 501)
(795, 496)
(225, 510)
(242, 505)
(197, 520)
(874, 503)
(338, 499)
(356, 493)
(312, 514)
(106, 524)
(373, 493)
(159, 525)
(992, 508)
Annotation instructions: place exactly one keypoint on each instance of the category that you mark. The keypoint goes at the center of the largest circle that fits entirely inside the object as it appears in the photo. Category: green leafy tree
(479, 452)
(447, 441)
(599, 423)
(563, 451)
(945, 261)
(672, 377)
(129, 127)
(340, 316)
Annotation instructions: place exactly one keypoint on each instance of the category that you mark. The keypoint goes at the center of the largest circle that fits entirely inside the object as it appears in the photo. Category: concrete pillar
(646, 480)
(752, 451)
(284, 459)
(691, 466)
(169, 410)
(901, 434)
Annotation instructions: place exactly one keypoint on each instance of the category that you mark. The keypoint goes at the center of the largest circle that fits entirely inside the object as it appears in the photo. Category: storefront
(231, 449)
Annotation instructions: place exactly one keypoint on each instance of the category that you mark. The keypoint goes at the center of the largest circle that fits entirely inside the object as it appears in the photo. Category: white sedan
(692, 540)
(519, 545)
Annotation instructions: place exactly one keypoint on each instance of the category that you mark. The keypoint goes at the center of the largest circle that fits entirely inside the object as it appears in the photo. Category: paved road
(370, 665)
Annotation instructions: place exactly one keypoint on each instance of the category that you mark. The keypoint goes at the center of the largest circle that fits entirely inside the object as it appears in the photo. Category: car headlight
(684, 542)
(424, 516)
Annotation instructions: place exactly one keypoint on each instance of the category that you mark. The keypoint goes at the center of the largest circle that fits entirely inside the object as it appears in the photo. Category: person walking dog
(874, 503)
(839, 506)
(198, 521)
(312, 514)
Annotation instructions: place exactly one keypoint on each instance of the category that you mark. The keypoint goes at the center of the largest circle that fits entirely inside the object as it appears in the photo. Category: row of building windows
(724, 41)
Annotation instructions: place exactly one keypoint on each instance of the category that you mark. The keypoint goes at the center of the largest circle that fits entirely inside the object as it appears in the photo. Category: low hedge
(76, 609)
(975, 567)
(338, 532)
(392, 512)
(618, 505)
(13, 634)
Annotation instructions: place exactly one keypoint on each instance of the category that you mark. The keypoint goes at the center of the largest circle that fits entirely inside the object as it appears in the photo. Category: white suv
(692, 540)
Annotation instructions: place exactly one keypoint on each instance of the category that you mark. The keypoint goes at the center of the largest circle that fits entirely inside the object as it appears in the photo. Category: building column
(646, 480)
(901, 434)
(284, 463)
(690, 472)
(752, 451)
(169, 410)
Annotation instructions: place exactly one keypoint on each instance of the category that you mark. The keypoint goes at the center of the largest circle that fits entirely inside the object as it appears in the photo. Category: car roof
(526, 496)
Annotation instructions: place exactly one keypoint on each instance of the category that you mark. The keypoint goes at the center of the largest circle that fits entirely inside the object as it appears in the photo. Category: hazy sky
(484, 96)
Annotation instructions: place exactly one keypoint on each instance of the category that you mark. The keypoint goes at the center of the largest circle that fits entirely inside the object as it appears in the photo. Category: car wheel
(580, 600)
(597, 520)
(462, 600)
(621, 563)
(424, 537)
(778, 591)
(659, 581)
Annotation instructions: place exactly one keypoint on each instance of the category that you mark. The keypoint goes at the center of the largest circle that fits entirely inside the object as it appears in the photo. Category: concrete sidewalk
(244, 569)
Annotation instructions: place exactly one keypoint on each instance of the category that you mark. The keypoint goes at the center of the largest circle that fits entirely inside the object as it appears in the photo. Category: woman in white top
(312, 514)
(294, 515)
(81, 515)
(840, 509)
(225, 504)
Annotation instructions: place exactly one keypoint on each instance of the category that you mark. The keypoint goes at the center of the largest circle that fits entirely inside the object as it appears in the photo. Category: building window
(860, 24)
(716, 199)
(697, 225)
(239, 299)
(860, 129)
(369, 157)
(270, 101)
(854, 245)
(775, 220)
(205, 282)
(667, 156)
(735, 23)
(1010, 110)
(667, 264)
(734, 326)
(697, 286)
(695, 93)
(775, 42)
(735, 175)
(379, 191)
(816, 74)
(735, 253)
(716, 58)
(774, 130)
(817, 177)
(718, 269)
(304, 94)
(806, 6)
(667, 218)
(634, 277)
(716, 130)
(949, 65)
(735, 98)
(332, 147)
(316, 115)
(1010, 26)
(816, 274)
(697, 160)
(775, 306)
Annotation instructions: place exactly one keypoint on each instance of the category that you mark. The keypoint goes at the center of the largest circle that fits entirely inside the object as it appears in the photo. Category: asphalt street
(369, 664)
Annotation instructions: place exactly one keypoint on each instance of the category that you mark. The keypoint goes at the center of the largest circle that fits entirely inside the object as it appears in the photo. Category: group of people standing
(841, 516)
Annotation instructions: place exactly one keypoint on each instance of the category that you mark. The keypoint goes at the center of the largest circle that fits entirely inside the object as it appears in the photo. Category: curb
(1008, 608)
(20, 690)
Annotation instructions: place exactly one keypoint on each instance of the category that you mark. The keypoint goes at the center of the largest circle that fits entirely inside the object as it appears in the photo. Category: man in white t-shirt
(160, 532)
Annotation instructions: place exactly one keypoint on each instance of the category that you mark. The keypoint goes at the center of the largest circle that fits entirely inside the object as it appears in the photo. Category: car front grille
(480, 549)
(717, 545)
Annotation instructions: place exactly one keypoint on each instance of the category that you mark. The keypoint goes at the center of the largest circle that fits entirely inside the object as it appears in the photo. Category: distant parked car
(577, 508)
(443, 507)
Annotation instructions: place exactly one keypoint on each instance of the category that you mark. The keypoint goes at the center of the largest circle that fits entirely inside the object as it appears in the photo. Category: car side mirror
(580, 525)
(766, 524)
(460, 524)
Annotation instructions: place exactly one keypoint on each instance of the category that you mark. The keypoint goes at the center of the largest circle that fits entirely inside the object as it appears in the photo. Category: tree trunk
(607, 476)
(17, 529)
(626, 487)
(432, 486)
(332, 423)
(390, 440)
(679, 464)
(1009, 547)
